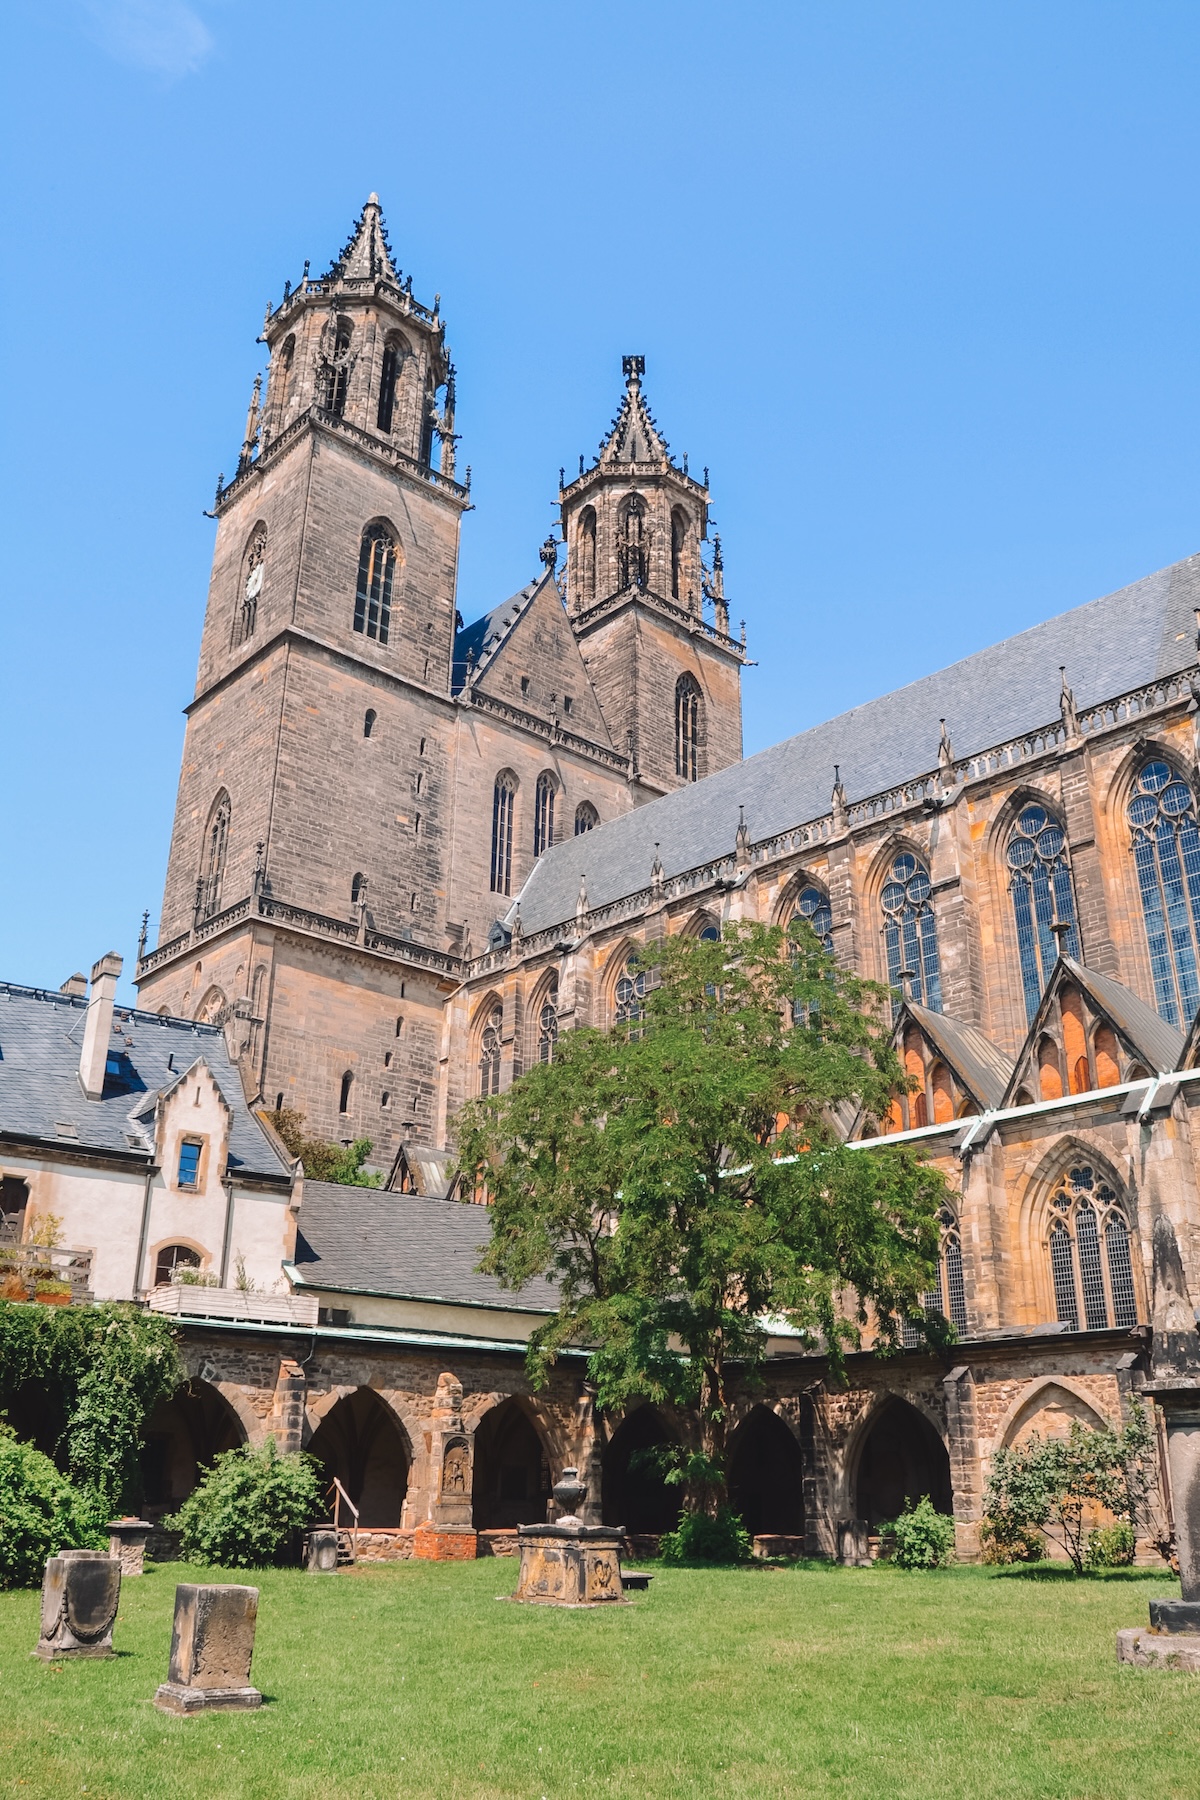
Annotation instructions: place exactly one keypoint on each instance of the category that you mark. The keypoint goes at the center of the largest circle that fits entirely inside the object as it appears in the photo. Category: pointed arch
(504, 802)
(898, 1454)
(1051, 1392)
(215, 853)
(544, 800)
(1037, 870)
(379, 564)
(626, 983)
(766, 1474)
(585, 549)
(679, 528)
(1164, 835)
(586, 818)
(510, 1472)
(633, 1492)
(805, 897)
(362, 1441)
(250, 582)
(1077, 1233)
(183, 1436)
(633, 536)
(689, 722)
(487, 1034)
(543, 1019)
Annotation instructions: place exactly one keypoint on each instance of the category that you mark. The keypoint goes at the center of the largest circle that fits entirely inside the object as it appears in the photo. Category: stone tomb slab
(1145, 1649)
(80, 1591)
(212, 1644)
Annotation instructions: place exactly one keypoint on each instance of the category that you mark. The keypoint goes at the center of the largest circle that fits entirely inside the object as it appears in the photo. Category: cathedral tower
(651, 619)
(314, 794)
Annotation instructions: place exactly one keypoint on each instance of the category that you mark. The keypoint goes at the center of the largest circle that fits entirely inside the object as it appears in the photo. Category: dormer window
(189, 1163)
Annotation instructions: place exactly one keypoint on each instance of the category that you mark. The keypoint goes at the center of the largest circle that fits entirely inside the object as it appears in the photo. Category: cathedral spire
(633, 436)
(367, 256)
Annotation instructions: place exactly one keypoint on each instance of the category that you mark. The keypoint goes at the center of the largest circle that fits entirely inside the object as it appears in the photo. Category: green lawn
(415, 1679)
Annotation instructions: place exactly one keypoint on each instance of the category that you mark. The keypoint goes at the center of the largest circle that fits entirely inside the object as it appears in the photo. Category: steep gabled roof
(1140, 1030)
(41, 1099)
(979, 1066)
(1189, 1056)
(476, 645)
(1110, 646)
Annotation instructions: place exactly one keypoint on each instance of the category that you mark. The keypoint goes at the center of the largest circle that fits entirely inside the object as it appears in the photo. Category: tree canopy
(685, 1181)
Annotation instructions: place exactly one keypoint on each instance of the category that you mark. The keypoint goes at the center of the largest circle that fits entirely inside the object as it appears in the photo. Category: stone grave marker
(80, 1591)
(212, 1643)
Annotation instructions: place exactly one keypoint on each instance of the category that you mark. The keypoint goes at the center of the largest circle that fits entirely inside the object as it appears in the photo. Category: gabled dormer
(1090, 1032)
(192, 1121)
(957, 1071)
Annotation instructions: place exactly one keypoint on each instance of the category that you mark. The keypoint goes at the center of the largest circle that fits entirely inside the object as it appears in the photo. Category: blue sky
(920, 283)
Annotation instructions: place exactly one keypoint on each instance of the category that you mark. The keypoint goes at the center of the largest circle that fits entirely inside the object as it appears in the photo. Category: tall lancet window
(1166, 854)
(376, 572)
(687, 727)
(631, 548)
(543, 814)
(547, 1024)
(678, 538)
(216, 847)
(504, 796)
(587, 556)
(1090, 1263)
(388, 376)
(246, 617)
(1039, 880)
(335, 381)
(490, 1048)
(910, 932)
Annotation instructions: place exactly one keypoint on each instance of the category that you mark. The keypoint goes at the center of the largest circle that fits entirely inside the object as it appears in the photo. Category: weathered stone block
(127, 1541)
(212, 1644)
(1175, 1615)
(570, 1563)
(80, 1591)
(1158, 1650)
(321, 1551)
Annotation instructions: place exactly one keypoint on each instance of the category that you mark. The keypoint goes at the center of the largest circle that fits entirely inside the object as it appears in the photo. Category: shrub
(1006, 1540)
(923, 1537)
(245, 1510)
(701, 1537)
(1058, 1482)
(1110, 1547)
(41, 1513)
(324, 1161)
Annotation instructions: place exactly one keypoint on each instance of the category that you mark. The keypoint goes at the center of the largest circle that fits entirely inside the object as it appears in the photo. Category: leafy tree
(41, 1513)
(922, 1536)
(97, 1373)
(322, 1160)
(683, 1179)
(1051, 1484)
(245, 1509)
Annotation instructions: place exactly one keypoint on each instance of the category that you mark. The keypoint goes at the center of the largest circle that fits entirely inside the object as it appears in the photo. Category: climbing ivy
(97, 1373)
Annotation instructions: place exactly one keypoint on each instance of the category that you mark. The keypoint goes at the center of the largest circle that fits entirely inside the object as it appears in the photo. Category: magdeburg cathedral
(410, 853)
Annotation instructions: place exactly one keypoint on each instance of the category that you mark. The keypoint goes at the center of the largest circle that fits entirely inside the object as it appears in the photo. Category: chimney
(75, 985)
(97, 1031)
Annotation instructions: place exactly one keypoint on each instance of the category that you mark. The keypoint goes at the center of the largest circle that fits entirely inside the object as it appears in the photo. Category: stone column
(447, 1534)
(287, 1411)
(959, 1389)
(127, 1542)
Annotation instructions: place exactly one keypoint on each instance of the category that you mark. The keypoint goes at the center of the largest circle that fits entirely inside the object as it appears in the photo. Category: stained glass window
(1089, 1253)
(543, 814)
(813, 907)
(1039, 880)
(216, 847)
(504, 796)
(1166, 854)
(910, 931)
(949, 1297)
(376, 570)
(586, 818)
(548, 1026)
(489, 1053)
(630, 993)
(687, 727)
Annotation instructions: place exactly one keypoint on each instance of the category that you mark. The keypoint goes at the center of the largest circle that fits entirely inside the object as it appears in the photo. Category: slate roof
(483, 639)
(370, 1241)
(984, 1069)
(41, 1033)
(1160, 1042)
(1109, 646)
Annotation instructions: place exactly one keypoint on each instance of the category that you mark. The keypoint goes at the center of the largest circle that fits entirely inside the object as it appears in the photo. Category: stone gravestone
(127, 1540)
(212, 1643)
(1173, 1640)
(80, 1591)
(569, 1563)
(321, 1550)
(854, 1546)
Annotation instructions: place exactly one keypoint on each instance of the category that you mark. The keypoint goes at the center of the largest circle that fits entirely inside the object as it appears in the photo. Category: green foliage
(707, 1538)
(1004, 1540)
(923, 1537)
(98, 1372)
(245, 1509)
(1052, 1483)
(1111, 1546)
(324, 1161)
(41, 1513)
(682, 1179)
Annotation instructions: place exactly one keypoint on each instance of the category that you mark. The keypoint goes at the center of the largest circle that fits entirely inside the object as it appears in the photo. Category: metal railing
(337, 1493)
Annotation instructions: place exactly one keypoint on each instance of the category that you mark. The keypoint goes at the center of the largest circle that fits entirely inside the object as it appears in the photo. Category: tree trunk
(714, 1436)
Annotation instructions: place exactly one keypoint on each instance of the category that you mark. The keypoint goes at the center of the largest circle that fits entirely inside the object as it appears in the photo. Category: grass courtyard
(413, 1679)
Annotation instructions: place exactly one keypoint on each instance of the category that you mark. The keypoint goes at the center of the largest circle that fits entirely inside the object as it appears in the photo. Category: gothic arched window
(283, 378)
(335, 381)
(393, 356)
(678, 539)
(587, 556)
(489, 1053)
(369, 718)
(358, 889)
(504, 796)
(344, 1094)
(251, 585)
(631, 545)
(1039, 880)
(813, 907)
(547, 1036)
(910, 931)
(1089, 1253)
(216, 848)
(376, 571)
(629, 994)
(586, 818)
(949, 1297)
(687, 727)
(543, 814)
(1166, 854)
(170, 1259)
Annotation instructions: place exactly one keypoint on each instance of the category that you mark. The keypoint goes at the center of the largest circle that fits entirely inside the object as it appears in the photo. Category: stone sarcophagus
(80, 1591)
(569, 1563)
(212, 1643)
